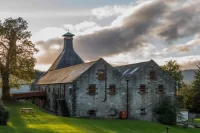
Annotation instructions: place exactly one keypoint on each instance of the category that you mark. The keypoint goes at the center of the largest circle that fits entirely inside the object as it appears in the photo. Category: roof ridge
(132, 64)
(74, 65)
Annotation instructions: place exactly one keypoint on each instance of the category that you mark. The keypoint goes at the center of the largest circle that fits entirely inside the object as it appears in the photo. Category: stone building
(97, 89)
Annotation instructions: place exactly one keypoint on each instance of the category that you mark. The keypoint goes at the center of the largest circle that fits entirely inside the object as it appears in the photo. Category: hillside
(188, 75)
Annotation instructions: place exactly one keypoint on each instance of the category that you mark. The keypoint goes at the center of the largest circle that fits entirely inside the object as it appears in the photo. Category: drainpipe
(105, 74)
(127, 102)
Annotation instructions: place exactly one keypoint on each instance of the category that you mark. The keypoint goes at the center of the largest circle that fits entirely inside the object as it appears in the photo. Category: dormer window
(152, 75)
(101, 74)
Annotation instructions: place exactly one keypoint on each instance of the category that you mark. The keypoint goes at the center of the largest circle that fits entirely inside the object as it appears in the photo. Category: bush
(166, 111)
(4, 114)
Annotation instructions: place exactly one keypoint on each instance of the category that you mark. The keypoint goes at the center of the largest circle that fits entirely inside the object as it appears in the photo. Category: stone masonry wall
(138, 101)
(105, 108)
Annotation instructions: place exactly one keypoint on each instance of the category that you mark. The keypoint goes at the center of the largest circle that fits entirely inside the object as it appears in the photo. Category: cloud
(183, 48)
(108, 11)
(129, 34)
(48, 33)
(181, 22)
(85, 27)
(191, 64)
(49, 50)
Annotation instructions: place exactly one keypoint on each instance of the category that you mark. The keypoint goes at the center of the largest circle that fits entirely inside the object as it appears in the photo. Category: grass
(46, 123)
(197, 120)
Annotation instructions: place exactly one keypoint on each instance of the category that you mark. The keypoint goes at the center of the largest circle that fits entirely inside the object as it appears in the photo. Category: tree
(196, 87)
(16, 54)
(196, 82)
(190, 94)
(174, 70)
(167, 111)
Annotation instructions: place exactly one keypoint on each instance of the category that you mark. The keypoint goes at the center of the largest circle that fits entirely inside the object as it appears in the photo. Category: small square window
(112, 89)
(92, 89)
(101, 74)
(160, 88)
(152, 75)
(142, 89)
(92, 112)
(142, 111)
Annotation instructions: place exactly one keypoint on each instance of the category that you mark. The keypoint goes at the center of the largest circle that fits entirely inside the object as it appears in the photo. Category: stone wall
(80, 102)
(105, 105)
(141, 104)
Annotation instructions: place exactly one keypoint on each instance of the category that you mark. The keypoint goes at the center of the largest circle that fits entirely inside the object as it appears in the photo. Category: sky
(120, 31)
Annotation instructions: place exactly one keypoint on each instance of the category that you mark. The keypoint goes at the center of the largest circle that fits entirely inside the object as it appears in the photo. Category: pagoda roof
(68, 34)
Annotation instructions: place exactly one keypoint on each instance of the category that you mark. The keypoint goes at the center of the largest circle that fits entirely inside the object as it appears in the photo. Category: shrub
(4, 114)
(167, 111)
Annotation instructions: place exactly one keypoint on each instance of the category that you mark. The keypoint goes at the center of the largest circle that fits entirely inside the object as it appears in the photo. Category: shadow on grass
(19, 123)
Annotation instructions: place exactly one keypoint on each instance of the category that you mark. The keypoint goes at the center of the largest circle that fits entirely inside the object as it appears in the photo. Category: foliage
(196, 87)
(174, 70)
(185, 96)
(166, 111)
(47, 123)
(4, 114)
(16, 54)
(189, 95)
(196, 82)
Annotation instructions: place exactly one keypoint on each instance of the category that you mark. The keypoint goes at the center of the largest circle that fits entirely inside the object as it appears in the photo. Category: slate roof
(64, 75)
(67, 58)
(130, 69)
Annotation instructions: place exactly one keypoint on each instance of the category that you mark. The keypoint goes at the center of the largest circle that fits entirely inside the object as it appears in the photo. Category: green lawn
(197, 120)
(46, 123)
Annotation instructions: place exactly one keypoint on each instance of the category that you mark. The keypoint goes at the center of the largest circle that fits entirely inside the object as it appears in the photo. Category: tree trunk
(6, 88)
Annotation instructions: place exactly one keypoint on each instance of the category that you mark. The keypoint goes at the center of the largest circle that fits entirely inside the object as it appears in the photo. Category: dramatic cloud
(182, 22)
(132, 32)
(123, 38)
(49, 50)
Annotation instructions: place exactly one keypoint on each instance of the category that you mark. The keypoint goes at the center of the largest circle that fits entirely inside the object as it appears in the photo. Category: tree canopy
(174, 70)
(16, 54)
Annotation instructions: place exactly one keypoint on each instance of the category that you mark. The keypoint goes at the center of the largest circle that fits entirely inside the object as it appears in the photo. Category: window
(142, 111)
(160, 88)
(92, 89)
(101, 74)
(142, 88)
(92, 112)
(112, 89)
(49, 90)
(53, 90)
(152, 75)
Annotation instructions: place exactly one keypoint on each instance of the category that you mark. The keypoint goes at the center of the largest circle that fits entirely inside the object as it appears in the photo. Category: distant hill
(188, 75)
(26, 88)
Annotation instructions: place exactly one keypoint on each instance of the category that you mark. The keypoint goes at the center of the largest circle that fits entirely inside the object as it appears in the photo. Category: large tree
(16, 54)
(174, 70)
